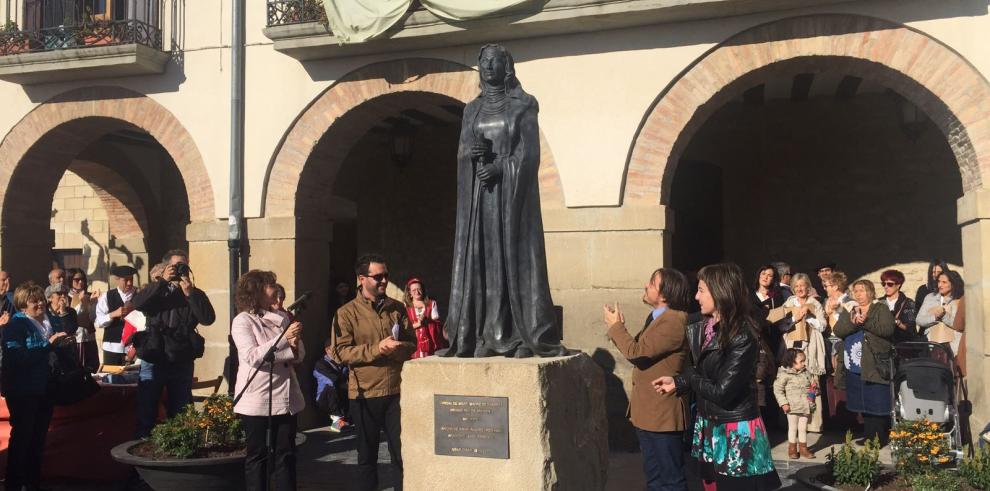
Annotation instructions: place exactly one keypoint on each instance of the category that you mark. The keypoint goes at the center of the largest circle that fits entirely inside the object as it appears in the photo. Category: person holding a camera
(173, 307)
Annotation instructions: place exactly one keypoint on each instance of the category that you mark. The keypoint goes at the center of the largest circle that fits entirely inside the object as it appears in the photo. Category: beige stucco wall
(613, 75)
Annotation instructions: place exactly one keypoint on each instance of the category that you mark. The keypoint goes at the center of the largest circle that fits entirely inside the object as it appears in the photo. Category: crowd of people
(62, 318)
(785, 352)
(782, 351)
(357, 379)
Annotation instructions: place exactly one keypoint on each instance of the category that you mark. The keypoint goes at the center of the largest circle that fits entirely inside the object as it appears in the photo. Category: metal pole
(235, 222)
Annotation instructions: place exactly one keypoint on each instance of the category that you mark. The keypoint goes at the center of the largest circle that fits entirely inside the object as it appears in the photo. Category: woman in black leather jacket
(730, 441)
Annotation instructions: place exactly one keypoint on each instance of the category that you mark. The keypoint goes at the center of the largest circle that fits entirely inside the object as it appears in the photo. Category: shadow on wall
(94, 254)
(134, 260)
(621, 434)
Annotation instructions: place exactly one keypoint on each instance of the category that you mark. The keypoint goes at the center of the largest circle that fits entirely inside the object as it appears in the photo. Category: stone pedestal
(557, 430)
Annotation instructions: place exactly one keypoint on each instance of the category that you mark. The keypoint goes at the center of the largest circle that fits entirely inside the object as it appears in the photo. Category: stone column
(974, 218)
(208, 260)
(599, 255)
(297, 250)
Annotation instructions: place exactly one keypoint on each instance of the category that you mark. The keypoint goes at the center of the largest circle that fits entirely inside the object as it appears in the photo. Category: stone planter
(207, 474)
(809, 477)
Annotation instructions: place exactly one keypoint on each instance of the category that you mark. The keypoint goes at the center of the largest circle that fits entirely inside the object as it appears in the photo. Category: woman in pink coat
(255, 330)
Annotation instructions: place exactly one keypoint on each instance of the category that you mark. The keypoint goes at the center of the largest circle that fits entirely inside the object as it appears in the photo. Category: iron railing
(287, 12)
(70, 24)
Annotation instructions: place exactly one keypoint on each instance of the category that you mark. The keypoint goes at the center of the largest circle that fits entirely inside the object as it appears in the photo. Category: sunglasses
(889, 283)
(380, 277)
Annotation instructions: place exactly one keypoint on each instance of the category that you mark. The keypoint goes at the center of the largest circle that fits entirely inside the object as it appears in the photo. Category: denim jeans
(176, 378)
(663, 460)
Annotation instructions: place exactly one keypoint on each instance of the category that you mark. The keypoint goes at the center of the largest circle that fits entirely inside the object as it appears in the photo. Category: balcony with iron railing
(78, 39)
(299, 27)
(291, 12)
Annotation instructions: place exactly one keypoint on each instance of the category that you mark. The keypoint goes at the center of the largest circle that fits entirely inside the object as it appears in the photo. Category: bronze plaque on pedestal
(471, 426)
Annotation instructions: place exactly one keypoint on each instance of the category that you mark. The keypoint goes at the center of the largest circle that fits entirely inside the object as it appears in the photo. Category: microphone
(300, 302)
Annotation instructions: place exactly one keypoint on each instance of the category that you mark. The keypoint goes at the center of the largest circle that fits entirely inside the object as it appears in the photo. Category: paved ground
(328, 462)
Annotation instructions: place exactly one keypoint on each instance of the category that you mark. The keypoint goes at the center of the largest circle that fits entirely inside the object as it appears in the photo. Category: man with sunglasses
(373, 337)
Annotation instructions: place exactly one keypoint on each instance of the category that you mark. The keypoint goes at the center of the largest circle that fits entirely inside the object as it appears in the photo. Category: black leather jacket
(723, 380)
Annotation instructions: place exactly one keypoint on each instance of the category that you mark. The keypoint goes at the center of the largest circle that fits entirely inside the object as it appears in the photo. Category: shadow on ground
(328, 461)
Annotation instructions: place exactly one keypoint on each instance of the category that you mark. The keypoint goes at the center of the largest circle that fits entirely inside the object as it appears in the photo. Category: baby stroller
(927, 383)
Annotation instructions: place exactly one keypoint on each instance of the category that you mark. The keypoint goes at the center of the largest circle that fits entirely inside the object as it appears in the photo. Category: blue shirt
(657, 312)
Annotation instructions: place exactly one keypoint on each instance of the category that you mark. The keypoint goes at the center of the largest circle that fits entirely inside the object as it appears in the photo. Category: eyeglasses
(380, 277)
(78, 279)
(889, 284)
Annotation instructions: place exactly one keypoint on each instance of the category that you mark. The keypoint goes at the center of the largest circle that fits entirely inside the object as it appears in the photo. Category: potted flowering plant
(196, 450)
(920, 447)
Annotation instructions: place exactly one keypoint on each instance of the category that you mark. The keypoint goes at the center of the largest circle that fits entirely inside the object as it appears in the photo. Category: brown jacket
(659, 349)
(357, 330)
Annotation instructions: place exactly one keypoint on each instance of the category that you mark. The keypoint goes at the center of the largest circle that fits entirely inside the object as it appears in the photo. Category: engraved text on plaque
(471, 426)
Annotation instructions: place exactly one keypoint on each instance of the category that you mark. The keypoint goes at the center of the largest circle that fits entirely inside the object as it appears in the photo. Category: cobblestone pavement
(328, 462)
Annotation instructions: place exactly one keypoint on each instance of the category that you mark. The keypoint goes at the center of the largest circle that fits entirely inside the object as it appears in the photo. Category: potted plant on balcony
(12, 40)
(93, 31)
(194, 451)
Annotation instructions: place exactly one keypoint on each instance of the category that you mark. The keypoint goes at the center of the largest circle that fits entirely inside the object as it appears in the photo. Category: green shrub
(976, 469)
(192, 433)
(939, 480)
(859, 467)
(178, 437)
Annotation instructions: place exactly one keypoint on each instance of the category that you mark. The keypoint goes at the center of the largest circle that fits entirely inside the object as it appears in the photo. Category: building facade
(673, 134)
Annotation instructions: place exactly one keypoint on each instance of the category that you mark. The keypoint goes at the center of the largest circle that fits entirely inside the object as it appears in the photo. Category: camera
(181, 269)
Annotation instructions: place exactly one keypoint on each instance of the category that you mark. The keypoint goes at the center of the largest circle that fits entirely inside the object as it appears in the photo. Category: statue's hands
(478, 150)
(489, 173)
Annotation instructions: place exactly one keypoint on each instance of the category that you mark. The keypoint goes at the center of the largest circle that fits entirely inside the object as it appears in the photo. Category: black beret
(120, 271)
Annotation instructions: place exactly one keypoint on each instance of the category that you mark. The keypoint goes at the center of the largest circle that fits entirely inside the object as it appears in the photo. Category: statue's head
(496, 67)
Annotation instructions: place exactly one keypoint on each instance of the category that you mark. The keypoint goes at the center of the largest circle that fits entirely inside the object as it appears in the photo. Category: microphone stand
(269, 358)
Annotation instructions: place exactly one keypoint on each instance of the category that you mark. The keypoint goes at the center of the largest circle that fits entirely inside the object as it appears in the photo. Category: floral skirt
(737, 451)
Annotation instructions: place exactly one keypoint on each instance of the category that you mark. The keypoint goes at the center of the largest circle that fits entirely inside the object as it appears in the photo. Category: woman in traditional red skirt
(425, 319)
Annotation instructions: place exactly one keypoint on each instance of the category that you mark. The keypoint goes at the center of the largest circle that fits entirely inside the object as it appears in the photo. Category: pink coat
(253, 336)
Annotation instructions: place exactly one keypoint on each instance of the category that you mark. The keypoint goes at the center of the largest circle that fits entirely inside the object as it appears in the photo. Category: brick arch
(317, 122)
(78, 117)
(939, 81)
(39, 148)
(126, 214)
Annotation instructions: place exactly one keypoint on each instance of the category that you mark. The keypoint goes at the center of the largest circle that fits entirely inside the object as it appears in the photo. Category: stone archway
(315, 149)
(434, 76)
(38, 150)
(929, 74)
(951, 92)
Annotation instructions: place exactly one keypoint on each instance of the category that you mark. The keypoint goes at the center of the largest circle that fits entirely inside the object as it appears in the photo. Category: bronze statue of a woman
(499, 295)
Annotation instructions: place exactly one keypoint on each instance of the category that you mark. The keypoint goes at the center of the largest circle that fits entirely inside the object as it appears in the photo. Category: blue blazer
(26, 367)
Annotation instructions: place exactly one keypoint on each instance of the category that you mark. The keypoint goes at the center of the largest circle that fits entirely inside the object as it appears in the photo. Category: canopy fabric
(356, 21)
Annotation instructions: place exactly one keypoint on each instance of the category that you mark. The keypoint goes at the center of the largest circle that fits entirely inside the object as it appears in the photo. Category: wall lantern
(403, 134)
